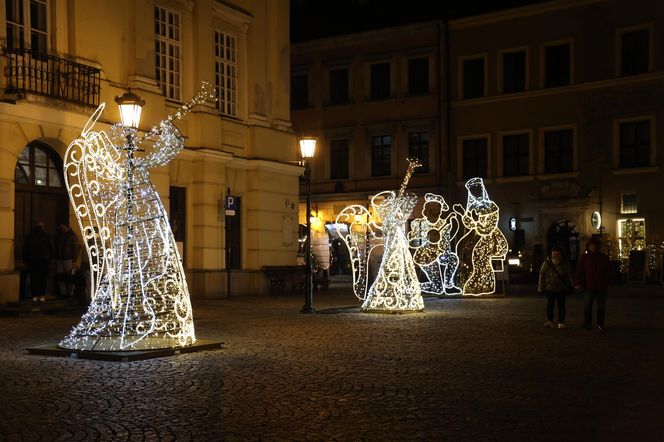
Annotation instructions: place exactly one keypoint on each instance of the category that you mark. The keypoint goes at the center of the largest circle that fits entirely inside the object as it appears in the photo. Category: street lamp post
(307, 149)
(130, 106)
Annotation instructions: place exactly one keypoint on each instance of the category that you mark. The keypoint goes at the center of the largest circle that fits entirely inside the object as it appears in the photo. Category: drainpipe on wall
(441, 119)
(444, 103)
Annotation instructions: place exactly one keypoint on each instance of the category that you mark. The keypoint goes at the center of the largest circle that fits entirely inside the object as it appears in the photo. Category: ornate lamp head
(130, 106)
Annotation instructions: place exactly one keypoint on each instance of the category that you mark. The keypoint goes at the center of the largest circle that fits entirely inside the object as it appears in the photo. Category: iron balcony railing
(51, 76)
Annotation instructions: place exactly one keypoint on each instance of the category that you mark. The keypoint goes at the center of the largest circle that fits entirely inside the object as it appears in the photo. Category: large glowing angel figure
(140, 298)
(432, 237)
(483, 241)
(396, 287)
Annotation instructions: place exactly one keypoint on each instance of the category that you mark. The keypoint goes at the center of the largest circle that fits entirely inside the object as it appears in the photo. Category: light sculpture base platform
(462, 296)
(393, 312)
(124, 356)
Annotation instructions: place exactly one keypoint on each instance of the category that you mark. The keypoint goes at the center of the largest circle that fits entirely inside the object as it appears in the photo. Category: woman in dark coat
(555, 281)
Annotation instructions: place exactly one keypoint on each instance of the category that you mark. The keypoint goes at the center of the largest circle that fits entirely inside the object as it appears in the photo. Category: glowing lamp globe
(307, 147)
(130, 106)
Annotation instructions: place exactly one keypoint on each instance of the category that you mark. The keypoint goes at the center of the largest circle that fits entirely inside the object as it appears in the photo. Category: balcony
(51, 76)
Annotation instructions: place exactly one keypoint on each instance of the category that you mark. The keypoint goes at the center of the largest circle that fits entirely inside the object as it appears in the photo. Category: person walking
(555, 282)
(592, 276)
(66, 254)
(37, 251)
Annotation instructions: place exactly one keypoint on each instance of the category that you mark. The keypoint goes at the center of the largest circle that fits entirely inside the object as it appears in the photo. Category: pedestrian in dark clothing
(555, 281)
(37, 251)
(66, 255)
(592, 276)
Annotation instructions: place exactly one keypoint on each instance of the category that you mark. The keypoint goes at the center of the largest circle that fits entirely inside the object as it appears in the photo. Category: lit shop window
(631, 235)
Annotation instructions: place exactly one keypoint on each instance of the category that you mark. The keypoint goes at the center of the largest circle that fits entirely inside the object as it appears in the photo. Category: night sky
(311, 19)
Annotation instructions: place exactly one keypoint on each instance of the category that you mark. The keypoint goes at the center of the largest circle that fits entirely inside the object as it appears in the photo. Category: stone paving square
(464, 370)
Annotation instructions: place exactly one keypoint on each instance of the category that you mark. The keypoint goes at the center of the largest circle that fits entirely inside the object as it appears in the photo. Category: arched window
(38, 165)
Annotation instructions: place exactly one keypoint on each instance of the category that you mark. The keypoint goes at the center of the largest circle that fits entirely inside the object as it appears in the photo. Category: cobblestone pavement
(470, 369)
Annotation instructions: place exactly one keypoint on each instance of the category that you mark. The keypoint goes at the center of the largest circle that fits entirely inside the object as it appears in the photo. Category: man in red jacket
(592, 276)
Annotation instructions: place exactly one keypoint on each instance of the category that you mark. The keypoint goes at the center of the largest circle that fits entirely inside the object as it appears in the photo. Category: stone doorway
(563, 234)
(40, 195)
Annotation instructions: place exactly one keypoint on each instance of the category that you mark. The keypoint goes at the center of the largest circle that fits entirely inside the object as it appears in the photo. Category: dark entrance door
(563, 235)
(40, 194)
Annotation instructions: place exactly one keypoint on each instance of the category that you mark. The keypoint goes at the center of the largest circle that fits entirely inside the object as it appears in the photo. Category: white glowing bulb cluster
(396, 287)
(450, 266)
(140, 298)
(364, 239)
(483, 242)
(433, 239)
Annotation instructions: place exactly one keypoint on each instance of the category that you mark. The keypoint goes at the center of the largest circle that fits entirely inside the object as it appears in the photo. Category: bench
(295, 277)
(281, 276)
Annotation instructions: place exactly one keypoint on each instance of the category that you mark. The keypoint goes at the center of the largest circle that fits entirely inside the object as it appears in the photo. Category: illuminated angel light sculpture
(433, 242)
(483, 243)
(396, 287)
(140, 298)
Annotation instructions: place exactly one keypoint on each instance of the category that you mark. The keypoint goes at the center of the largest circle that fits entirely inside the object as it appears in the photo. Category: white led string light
(140, 298)
(396, 288)
(482, 244)
(433, 243)
(364, 237)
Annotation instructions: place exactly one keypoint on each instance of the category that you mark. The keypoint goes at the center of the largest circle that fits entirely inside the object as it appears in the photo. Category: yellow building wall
(252, 153)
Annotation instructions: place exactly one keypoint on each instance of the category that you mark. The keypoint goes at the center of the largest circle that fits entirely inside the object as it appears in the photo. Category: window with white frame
(634, 140)
(475, 157)
(473, 77)
(635, 52)
(515, 71)
(225, 71)
(27, 24)
(339, 159)
(418, 75)
(380, 81)
(418, 148)
(557, 65)
(516, 153)
(299, 91)
(168, 51)
(628, 203)
(381, 155)
(558, 151)
(338, 86)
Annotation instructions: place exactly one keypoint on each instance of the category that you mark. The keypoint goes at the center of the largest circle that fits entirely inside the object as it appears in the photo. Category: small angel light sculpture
(139, 295)
(396, 287)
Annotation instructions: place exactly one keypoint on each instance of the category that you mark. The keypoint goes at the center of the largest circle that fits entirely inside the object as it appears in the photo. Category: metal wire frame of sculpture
(483, 243)
(396, 287)
(139, 295)
(433, 239)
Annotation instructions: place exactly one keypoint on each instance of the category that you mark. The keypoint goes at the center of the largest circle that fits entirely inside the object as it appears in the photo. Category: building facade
(372, 99)
(556, 105)
(61, 59)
